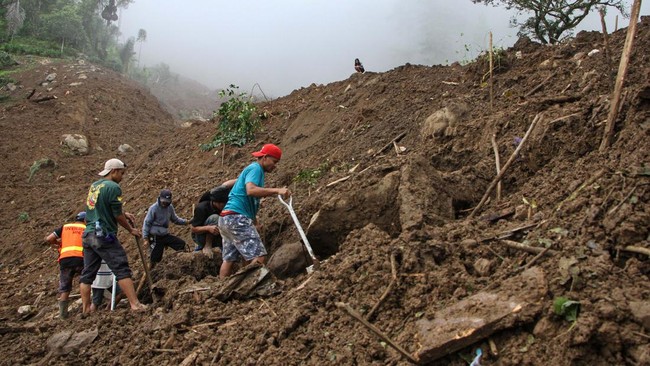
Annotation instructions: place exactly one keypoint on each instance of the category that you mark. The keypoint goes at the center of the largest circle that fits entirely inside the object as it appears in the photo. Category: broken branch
(358, 317)
(396, 139)
(526, 248)
(392, 283)
(497, 161)
(638, 250)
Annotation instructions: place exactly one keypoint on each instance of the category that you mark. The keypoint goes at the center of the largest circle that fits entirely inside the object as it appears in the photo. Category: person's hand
(135, 232)
(213, 229)
(130, 216)
(284, 192)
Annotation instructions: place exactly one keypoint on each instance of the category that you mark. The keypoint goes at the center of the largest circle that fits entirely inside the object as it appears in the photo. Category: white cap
(110, 165)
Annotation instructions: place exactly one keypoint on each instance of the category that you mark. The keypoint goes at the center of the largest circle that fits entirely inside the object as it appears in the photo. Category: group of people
(224, 218)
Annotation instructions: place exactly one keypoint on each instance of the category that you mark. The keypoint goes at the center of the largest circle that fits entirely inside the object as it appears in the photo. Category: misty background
(287, 44)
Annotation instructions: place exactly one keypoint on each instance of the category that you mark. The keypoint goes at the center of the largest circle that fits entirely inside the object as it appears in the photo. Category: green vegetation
(38, 164)
(311, 176)
(238, 120)
(569, 309)
(23, 217)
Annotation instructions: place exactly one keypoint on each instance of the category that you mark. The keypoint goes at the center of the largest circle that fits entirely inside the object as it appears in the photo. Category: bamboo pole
(497, 161)
(505, 167)
(608, 133)
(491, 74)
(605, 37)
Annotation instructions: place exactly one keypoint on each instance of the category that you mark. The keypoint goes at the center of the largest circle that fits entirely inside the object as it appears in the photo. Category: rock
(593, 52)
(76, 84)
(11, 86)
(125, 148)
(520, 300)
(50, 77)
(641, 312)
(546, 64)
(83, 76)
(288, 260)
(444, 121)
(544, 328)
(483, 267)
(25, 309)
(76, 143)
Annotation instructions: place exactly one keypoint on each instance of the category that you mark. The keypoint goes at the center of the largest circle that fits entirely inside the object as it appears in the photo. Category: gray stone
(76, 143)
(641, 312)
(443, 122)
(125, 148)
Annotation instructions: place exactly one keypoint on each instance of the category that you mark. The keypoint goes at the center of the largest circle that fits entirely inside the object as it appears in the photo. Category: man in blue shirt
(238, 218)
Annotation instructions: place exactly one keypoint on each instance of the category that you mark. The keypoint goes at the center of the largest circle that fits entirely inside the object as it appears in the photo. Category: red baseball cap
(270, 150)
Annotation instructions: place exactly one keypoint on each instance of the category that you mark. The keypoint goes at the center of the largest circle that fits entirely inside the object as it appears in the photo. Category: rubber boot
(63, 309)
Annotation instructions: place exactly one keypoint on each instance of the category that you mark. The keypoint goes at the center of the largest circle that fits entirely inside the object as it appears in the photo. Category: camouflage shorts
(240, 239)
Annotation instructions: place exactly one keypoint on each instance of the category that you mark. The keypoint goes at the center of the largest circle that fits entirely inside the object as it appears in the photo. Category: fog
(284, 45)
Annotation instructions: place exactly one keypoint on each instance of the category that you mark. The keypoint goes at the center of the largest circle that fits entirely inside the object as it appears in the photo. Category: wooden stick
(194, 290)
(497, 161)
(396, 139)
(392, 283)
(627, 197)
(43, 99)
(526, 248)
(164, 350)
(540, 85)
(217, 353)
(189, 360)
(638, 250)
(338, 181)
(491, 74)
(540, 255)
(357, 316)
(608, 133)
(603, 25)
(506, 166)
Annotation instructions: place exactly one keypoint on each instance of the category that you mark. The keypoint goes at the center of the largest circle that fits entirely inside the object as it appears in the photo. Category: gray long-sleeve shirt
(157, 220)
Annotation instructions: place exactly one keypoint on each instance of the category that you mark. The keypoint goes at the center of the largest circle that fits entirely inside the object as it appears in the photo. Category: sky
(282, 45)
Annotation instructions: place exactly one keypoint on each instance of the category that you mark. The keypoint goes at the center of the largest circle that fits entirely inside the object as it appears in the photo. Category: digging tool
(289, 205)
(144, 263)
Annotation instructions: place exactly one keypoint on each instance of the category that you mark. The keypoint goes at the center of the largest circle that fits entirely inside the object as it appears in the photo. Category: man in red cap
(238, 217)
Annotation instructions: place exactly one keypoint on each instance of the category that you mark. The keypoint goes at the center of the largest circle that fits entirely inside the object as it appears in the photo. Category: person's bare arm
(123, 220)
(52, 239)
(208, 229)
(229, 183)
(255, 191)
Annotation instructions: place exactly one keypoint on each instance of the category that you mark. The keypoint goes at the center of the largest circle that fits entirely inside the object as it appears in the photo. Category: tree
(126, 53)
(552, 20)
(142, 37)
(63, 25)
(15, 17)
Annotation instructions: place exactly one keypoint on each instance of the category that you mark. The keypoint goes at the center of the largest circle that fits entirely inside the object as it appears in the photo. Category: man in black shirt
(205, 230)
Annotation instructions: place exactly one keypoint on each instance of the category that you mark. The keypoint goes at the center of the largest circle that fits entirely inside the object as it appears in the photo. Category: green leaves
(569, 309)
(238, 120)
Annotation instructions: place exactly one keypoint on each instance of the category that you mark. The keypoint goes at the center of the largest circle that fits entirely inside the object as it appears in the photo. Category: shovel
(316, 262)
(144, 264)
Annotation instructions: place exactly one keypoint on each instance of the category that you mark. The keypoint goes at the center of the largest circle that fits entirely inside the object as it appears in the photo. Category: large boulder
(444, 122)
(78, 144)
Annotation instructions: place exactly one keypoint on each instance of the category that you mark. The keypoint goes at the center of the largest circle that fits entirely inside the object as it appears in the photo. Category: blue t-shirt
(238, 200)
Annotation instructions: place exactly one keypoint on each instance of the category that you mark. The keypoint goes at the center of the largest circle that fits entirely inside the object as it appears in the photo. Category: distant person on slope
(103, 213)
(358, 66)
(205, 231)
(71, 257)
(238, 218)
(155, 228)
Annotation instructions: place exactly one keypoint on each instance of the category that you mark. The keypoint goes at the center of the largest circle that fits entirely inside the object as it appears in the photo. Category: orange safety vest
(71, 245)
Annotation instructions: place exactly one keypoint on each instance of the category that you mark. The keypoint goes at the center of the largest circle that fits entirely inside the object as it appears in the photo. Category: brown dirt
(413, 204)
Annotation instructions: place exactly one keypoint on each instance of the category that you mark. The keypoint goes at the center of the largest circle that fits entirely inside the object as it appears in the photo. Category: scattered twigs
(217, 353)
(608, 133)
(164, 350)
(559, 119)
(389, 144)
(541, 85)
(497, 179)
(491, 74)
(189, 360)
(354, 314)
(526, 248)
(391, 285)
(638, 250)
(587, 183)
(497, 161)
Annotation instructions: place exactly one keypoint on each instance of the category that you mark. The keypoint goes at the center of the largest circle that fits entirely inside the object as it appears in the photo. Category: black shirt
(202, 211)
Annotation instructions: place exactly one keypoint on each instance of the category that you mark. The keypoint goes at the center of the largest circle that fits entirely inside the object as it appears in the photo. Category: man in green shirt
(103, 213)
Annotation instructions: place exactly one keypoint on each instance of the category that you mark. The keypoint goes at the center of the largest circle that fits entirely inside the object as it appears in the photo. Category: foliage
(23, 217)
(38, 164)
(311, 176)
(238, 120)
(569, 309)
(126, 53)
(63, 25)
(6, 60)
(552, 20)
(27, 46)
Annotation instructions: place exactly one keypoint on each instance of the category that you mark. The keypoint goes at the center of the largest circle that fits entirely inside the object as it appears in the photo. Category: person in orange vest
(71, 257)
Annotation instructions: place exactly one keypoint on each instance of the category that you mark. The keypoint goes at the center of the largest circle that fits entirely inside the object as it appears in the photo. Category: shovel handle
(300, 231)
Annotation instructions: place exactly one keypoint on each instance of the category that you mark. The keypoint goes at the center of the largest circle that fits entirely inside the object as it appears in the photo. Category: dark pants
(110, 250)
(199, 239)
(158, 243)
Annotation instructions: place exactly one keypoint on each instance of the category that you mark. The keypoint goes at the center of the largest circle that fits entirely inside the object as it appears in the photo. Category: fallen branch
(189, 360)
(217, 353)
(497, 179)
(338, 181)
(43, 99)
(164, 350)
(497, 161)
(638, 250)
(526, 248)
(538, 256)
(388, 290)
(192, 290)
(357, 316)
(540, 85)
(625, 199)
(396, 139)
(559, 119)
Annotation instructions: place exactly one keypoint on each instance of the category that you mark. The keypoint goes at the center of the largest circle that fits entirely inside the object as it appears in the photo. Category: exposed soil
(413, 205)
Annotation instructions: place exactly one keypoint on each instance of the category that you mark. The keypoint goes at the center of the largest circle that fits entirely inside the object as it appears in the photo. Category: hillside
(398, 218)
